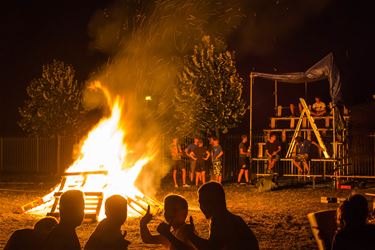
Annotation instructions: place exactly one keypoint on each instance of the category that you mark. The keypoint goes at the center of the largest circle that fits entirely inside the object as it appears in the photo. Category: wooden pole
(251, 112)
(276, 104)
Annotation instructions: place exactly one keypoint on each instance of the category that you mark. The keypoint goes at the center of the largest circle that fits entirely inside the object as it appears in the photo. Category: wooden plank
(104, 172)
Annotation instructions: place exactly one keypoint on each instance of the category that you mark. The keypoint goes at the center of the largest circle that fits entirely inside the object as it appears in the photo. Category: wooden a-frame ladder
(306, 111)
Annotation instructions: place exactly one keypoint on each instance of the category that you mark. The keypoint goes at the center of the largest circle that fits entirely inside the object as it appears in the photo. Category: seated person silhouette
(292, 109)
(31, 239)
(175, 212)
(318, 108)
(303, 154)
(63, 236)
(354, 232)
(227, 231)
(107, 235)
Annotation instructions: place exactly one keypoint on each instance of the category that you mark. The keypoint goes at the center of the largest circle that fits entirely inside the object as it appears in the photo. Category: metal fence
(362, 154)
(34, 155)
(49, 156)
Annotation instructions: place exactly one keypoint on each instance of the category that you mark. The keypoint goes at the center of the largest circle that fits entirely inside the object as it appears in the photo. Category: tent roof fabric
(298, 77)
(325, 68)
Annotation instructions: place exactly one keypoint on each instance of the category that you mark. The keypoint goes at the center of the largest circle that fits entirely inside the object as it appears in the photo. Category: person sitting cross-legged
(31, 239)
(107, 235)
(318, 108)
(175, 212)
(227, 231)
(63, 236)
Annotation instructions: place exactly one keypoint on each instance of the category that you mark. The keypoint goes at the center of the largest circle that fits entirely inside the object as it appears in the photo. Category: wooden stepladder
(306, 111)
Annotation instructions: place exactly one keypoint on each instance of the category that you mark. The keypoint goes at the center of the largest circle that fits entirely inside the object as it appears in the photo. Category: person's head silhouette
(354, 211)
(116, 209)
(175, 210)
(212, 199)
(72, 208)
(44, 226)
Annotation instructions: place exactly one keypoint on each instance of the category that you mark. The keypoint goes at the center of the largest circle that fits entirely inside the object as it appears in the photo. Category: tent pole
(334, 132)
(305, 90)
(276, 95)
(251, 112)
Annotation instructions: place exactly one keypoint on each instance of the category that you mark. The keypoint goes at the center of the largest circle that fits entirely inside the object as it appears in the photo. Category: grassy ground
(278, 218)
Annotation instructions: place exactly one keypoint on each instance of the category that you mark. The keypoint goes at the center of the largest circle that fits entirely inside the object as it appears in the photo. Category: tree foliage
(54, 102)
(209, 90)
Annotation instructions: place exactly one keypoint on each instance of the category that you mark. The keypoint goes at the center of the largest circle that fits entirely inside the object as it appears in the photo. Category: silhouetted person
(107, 235)
(31, 239)
(227, 231)
(242, 160)
(303, 152)
(63, 236)
(200, 155)
(175, 212)
(273, 149)
(354, 231)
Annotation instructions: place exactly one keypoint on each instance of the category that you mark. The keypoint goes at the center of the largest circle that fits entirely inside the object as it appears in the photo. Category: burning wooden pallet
(93, 199)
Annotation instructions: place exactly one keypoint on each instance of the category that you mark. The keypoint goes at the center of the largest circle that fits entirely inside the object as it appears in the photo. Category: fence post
(58, 154)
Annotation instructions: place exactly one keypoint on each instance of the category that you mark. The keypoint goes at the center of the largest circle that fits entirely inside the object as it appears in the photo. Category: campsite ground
(278, 218)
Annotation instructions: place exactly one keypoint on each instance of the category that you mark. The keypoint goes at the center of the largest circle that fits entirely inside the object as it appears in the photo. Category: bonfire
(101, 169)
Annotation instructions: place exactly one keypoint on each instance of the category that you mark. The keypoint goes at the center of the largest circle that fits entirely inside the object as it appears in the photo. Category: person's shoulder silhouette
(228, 231)
(355, 232)
(30, 239)
(107, 235)
(63, 236)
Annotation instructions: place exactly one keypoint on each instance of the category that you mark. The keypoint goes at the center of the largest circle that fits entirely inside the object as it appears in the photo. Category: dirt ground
(278, 218)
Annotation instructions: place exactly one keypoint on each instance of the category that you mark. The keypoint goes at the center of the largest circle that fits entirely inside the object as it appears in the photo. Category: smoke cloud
(146, 41)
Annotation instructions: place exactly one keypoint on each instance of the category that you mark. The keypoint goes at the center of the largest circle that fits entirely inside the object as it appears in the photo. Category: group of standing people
(202, 160)
(209, 160)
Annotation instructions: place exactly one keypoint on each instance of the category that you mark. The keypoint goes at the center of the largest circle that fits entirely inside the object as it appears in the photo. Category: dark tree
(54, 103)
(209, 93)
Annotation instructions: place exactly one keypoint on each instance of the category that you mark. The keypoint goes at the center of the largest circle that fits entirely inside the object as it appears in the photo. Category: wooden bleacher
(292, 120)
(307, 127)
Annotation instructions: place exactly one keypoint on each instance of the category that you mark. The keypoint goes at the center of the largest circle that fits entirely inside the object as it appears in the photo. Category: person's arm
(179, 150)
(193, 156)
(277, 151)
(316, 145)
(207, 155)
(164, 230)
(198, 242)
(146, 236)
(187, 151)
(267, 153)
(220, 154)
(242, 152)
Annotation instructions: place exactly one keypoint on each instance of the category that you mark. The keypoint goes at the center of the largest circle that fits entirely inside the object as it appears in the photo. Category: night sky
(36, 32)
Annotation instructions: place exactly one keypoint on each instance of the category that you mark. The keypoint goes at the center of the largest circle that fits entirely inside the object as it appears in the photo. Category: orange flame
(103, 150)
